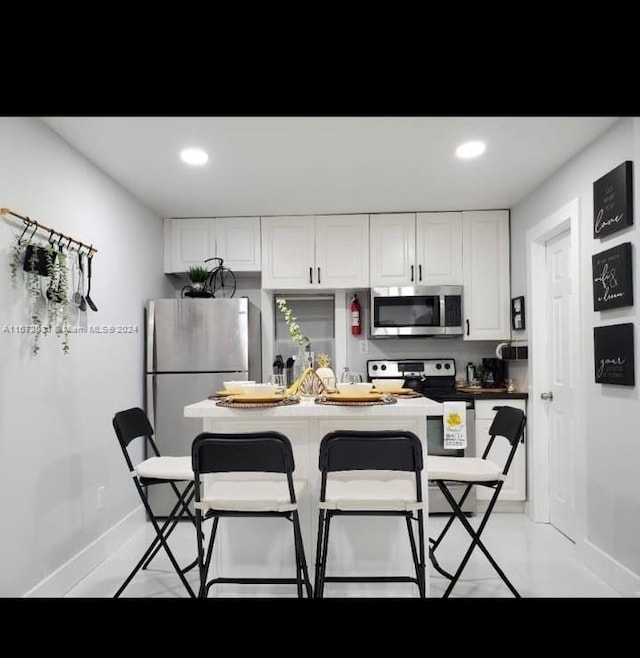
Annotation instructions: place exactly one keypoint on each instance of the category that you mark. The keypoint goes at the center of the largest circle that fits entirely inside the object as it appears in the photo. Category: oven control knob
(438, 366)
(374, 367)
(383, 367)
(447, 366)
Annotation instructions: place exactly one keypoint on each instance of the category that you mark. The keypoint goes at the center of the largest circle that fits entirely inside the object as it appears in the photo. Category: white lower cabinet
(515, 485)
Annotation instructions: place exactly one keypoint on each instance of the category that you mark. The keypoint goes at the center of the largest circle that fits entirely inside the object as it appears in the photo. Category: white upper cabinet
(439, 248)
(317, 252)
(392, 249)
(189, 242)
(288, 252)
(342, 251)
(486, 301)
(238, 242)
(416, 250)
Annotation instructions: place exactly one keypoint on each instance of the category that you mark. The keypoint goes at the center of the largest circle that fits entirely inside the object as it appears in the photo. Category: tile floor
(537, 559)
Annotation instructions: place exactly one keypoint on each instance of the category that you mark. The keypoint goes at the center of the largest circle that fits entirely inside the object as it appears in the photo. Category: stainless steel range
(435, 379)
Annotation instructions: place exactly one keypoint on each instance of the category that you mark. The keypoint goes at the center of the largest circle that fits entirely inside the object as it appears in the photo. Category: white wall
(57, 444)
(612, 419)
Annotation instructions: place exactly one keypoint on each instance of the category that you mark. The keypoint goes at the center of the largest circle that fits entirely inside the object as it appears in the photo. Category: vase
(301, 363)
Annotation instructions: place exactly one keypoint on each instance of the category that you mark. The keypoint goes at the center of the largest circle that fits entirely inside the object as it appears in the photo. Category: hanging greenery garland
(38, 259)
(34, 291)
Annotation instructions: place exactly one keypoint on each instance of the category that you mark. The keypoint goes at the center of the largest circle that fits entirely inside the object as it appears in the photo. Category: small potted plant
(198, 276)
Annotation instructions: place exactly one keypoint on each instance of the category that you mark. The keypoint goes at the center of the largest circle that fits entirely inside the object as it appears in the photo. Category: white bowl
(354, 389)
(236, 386)
(259, 390)
(388, 384)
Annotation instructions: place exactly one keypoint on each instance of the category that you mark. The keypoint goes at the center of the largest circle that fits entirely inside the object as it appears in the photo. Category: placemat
(406, 396)
(385, 399)
(230, 403)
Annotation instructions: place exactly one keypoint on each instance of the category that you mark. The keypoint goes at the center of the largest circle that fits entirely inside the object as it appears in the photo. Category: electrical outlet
(364, 347)
(101, 497)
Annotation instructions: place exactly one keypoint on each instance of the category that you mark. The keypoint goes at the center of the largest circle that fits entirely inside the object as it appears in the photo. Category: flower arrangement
(294, 328)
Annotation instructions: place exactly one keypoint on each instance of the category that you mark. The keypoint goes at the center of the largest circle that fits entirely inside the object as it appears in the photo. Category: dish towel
(455, 426)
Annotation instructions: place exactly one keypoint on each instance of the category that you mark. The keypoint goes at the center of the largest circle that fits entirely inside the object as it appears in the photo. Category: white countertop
(411, 407)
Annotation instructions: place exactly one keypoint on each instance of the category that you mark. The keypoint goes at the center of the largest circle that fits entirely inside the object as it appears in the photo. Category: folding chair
(262, 452)
(475, 471)
(132, 424)
(378, 495)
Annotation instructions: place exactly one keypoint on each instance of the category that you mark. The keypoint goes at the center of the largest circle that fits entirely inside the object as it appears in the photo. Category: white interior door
(560, 393)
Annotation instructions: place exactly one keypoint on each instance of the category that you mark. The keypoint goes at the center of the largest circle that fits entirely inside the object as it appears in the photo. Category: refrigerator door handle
(152, 395)
(151, 334)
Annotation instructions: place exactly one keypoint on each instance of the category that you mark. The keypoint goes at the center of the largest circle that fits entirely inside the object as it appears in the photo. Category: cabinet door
(439, 248)
(238, 242)
(342, 251)
(515, 484)
(392, 249)
(191, 241)
(486, 302)
(288, 259)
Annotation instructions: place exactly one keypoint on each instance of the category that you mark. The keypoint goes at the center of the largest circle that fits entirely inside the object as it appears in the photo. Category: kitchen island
(358, 545)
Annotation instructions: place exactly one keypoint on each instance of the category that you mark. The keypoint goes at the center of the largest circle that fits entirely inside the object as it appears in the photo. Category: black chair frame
(266, 452)
(350, 450)
(130, 425)
(509, 423)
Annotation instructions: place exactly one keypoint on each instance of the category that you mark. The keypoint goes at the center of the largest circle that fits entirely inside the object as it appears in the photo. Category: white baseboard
(74, 570)
(610, 570)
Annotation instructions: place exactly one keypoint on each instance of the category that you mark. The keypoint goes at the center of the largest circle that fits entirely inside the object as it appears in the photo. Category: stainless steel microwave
(416, 311)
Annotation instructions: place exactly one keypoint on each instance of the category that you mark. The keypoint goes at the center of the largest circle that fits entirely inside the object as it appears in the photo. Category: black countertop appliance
(495, 373)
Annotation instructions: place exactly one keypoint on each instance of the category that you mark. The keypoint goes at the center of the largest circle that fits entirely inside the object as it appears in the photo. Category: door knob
(546, 396)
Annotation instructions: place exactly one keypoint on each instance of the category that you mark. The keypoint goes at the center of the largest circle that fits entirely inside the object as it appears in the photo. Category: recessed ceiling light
(194, 156)
(471, 149)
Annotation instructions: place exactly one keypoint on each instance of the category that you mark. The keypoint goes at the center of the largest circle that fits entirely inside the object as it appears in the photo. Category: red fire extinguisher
(355, 316)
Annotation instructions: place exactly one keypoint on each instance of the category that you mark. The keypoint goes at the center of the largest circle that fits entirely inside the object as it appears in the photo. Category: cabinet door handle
(412, 274)
(318, 275)
(467, 321)
(419, 272)
(311, 275)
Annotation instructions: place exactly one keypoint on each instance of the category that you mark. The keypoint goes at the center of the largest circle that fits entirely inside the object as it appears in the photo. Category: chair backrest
(351, 450)
(508, 422)
(380, 450)
(267, 452)
(131, 424)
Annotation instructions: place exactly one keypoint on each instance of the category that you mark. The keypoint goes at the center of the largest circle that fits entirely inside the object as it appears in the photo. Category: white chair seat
(250, 495)
(463, 469)
(370, 494)
(165, 468)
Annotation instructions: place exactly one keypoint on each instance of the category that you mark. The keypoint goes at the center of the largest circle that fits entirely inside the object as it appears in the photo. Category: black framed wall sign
(613, 201)
(517, 313)
(612, 278)
(614, 355)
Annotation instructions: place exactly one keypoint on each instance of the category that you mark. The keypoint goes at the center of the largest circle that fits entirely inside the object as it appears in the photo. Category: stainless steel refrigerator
(192, 347)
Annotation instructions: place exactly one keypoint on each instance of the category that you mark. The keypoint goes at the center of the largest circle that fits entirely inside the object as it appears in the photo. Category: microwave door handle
(443, 317)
